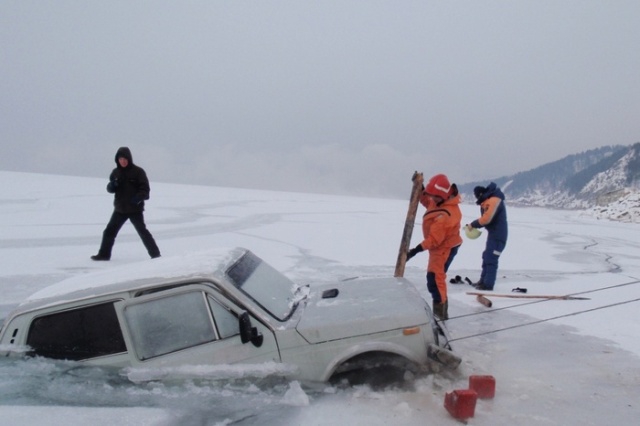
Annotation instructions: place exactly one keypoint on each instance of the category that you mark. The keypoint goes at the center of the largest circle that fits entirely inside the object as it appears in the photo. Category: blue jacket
(493, 213)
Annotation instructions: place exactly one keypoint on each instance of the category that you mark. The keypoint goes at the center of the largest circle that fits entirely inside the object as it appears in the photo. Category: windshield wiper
(300, 294)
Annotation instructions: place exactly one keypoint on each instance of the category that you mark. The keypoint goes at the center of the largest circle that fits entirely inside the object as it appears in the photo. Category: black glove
(417, 249)
(136, 200)
(112, 185)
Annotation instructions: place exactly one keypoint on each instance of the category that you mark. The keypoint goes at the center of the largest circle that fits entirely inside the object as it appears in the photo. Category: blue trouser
(490, 257)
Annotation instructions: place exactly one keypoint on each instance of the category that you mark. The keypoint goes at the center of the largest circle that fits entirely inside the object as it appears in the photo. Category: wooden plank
(528, 296)
(416, 191)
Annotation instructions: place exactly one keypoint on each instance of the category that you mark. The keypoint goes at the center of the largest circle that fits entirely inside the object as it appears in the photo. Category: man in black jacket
(130, 187)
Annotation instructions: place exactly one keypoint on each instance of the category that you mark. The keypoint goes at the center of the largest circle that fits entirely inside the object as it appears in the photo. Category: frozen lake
(552, 360)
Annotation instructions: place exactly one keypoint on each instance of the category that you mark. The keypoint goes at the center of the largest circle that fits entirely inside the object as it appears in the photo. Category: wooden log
(416, 191)
(486, 302)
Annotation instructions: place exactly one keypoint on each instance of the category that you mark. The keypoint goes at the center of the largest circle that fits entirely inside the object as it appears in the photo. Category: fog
(344, 97)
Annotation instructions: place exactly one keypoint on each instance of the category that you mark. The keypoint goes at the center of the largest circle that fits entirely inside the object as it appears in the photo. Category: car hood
(361, 307)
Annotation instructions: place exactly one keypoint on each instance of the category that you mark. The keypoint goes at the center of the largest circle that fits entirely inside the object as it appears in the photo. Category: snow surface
(555, 362)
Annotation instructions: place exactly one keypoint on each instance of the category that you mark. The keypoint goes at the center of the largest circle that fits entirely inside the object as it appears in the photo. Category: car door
(190, 325)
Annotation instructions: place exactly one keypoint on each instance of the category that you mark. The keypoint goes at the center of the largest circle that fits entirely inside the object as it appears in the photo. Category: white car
(230, 307)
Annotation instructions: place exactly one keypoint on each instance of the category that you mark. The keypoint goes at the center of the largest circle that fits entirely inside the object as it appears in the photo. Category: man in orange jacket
(441, 232)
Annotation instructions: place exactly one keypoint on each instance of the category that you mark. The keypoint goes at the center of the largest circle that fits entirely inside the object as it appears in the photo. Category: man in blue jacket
(130, 187)
(493, 217)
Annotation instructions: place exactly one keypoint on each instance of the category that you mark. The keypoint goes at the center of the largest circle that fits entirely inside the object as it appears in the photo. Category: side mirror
(249, 333)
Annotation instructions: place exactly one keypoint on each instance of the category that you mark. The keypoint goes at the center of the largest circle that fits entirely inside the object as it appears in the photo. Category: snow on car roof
(140, 274)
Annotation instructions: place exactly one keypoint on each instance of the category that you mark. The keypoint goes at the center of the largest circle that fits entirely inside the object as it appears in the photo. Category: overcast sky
(337, 96)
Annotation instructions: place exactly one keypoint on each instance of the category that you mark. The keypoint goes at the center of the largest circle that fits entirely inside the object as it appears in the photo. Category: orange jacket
(441, 225)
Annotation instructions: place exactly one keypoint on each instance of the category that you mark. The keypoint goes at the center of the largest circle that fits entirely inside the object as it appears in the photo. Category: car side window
(77, 334)
(226, 321)
(169, 324)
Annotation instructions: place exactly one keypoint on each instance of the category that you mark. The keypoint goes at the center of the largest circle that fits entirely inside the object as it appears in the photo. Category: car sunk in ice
(230, 307)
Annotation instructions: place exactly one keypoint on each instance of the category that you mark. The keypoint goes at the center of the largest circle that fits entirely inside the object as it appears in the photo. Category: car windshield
(270, 289)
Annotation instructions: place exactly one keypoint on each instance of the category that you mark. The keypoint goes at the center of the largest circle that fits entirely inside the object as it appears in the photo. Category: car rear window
(77, 334)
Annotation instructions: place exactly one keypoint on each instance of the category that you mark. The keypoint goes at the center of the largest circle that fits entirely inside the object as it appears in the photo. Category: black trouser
(113, 227)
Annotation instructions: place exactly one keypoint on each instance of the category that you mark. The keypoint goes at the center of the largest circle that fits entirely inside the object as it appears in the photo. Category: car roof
(138, 276)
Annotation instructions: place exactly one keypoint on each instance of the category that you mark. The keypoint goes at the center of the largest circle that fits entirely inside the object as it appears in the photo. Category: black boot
(440, 310)
(483, 287)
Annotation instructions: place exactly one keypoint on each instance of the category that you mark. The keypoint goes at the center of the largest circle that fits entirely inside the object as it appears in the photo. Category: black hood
(491, 190)
(124, 152)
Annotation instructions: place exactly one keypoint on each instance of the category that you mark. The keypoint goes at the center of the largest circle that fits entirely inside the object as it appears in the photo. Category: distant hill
(605, 181)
